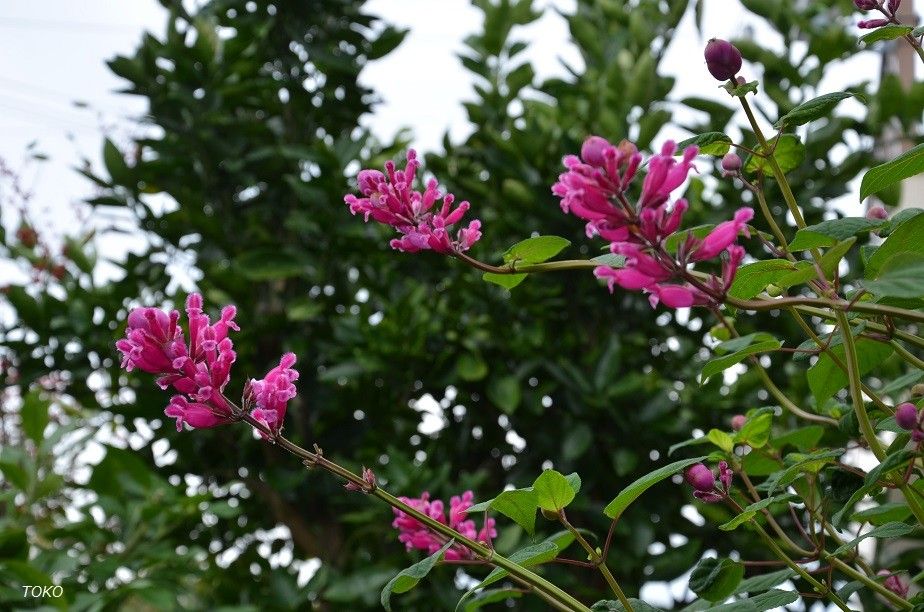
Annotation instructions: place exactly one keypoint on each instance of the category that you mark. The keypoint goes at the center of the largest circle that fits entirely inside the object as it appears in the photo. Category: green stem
(907, 355)
(838, 305)
(819, 588)
(513, 268)
(597, 560)
(856, 393)
(827, 314)
(563, 600)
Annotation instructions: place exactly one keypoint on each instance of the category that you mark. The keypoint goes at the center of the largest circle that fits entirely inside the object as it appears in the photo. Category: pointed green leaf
(886, 32)
(816, 108)
(715, 579)
(885, 175)
(408, 578)
(553, 491)
(889, 530)
(632, 492)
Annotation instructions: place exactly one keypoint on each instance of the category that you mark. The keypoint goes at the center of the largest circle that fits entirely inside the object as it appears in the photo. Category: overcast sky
(56, 49)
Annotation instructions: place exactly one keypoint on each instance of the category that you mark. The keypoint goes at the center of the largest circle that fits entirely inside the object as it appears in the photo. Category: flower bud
(906, 415)
(893, 583)
(893, 5)
(774, 290)
(917, 390)
(700, 478)
(723, 59)
(865, 5)
(877, 213)
(738, 421)
(869, 24)
(731, 164)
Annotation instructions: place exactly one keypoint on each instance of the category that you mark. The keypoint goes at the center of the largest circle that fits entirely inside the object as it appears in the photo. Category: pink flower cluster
(595, 188)
(200, 370)
(391, 199)
(415, 534)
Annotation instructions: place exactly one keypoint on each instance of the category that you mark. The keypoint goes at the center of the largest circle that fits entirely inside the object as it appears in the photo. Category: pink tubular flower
(595, 189)
(391, 199)
(271, 394)
(200, 370)
(415, 535)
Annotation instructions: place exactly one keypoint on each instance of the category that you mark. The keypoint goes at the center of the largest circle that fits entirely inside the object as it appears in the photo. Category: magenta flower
(723, 59)
(391, 199)
(595, 189)
(200, 370)
(415, 534)
(703, 482)
(271, 394)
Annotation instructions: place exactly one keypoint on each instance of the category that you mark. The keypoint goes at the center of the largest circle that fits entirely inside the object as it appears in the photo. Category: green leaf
(505, 393)
(832, 258)
(710, 143)
(816, 108)
(756, 430)
(753, 278)
(871, 482)
(507, 281)
(804, 439)
(632, 492)
(271, 264)
(763, 582)
(610, 259)
(519, 505)
(886, 32)
(387, 42)
(491, 596)
(907, 238)
(715, 579)
(114, 161)
(34, 414)
(535, 250)
(825, 378)
(553, 491)
(721, 439)
(408, 578)
(883, 513)
(889, 530)
(752, 510)
(799, 463)
(720, 364)
(770, 600)
(789, 154)
(900, 277)
(542, 552)
(829, 233)
(885, 175)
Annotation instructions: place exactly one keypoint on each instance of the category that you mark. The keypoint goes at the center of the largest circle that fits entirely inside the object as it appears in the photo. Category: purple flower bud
(700, 478)
(893, 5)
(725, 475)
(893, 583)
(877, 213)
(738, 421)
(723, 59)
(906, 415)
(731, 164)
(865, 5)
(869, 24)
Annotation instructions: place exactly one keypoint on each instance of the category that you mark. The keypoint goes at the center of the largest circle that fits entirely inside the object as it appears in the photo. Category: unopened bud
(865, 5)
(869, 24)
(550, 514)
(723, 59)
(700, 478)
(877, 213)
(918, 390)
(893, 5)
(906, 415)
(738, 421)
(774, 290)
(731, 164)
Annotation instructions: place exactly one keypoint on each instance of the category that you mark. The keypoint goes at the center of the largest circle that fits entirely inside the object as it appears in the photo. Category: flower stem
(597, 560)
(819, 588)
(546, 589)
(872, 584)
